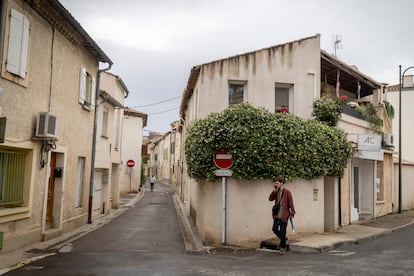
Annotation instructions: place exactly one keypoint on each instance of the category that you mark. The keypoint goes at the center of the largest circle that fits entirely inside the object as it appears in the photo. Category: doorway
(362, 189)
(51, 192)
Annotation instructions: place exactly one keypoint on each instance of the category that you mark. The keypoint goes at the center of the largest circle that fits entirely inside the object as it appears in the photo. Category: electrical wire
(164, 111)
(164, 101)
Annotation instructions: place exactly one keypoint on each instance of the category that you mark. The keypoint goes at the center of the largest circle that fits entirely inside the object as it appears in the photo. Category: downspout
(3, 13)
(339, 203)
(95, 127)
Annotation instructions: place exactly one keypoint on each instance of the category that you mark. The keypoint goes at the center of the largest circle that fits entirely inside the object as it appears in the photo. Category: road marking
(340, 253)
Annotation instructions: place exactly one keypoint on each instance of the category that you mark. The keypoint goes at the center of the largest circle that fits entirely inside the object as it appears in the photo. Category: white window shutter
(82, 86)
(15, 42)
(93, 92)
(25, 46)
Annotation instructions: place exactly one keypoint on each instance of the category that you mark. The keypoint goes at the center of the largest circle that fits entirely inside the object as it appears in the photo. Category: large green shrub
(264, 145)
(326, 110)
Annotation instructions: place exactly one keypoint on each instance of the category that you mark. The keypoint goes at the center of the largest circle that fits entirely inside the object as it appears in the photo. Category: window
(283, 98)
(12, 168)
(105, 122)
(79, 182)
(378, 183)
(236, 93)
(86, 89)
(117, 127)
(18, 44)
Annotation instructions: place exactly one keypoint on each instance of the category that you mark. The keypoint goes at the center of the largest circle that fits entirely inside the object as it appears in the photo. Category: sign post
(223, 160)
(130, 163)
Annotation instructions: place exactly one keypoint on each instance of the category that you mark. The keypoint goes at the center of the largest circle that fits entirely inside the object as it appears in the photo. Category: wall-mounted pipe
(95, 127)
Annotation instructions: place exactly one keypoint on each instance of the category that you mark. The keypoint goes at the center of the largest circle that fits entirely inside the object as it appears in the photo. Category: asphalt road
(146, 240)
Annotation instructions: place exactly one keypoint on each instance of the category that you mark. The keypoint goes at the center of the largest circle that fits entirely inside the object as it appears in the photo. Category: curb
(192, 241)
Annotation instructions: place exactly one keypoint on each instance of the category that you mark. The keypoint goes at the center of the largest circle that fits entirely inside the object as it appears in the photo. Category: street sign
(224, 172)
(223, 159)
(130, 163)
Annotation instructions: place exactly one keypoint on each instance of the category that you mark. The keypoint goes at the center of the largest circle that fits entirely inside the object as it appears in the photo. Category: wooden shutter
(82, 86)
(93, 88)
(18, 44)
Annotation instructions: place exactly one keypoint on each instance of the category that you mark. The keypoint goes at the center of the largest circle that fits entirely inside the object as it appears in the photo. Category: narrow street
(146, 240)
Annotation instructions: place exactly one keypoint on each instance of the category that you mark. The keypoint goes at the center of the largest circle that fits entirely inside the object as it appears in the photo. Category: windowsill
(11, 214)
(380, 202)
(87, 106)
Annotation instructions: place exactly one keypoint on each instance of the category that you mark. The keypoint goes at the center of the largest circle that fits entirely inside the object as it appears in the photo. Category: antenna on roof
(336, 42)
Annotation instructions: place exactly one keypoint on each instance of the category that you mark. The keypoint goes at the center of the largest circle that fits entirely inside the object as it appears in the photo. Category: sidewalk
(13, 260)
(303, 243)
(317, 242)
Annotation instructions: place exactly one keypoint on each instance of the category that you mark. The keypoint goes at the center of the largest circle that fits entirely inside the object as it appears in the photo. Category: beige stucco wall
(407, 98)
(407, 186)
(52, 85)
(132, 132)
(249, 218)
(296, 63)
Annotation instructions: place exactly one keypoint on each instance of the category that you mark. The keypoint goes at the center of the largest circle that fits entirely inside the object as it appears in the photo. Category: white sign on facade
(369, 142)
(371, 155)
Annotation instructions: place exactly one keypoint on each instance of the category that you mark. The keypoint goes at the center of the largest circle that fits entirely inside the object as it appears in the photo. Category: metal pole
(93, 154)
(399, 149)
(223, 191)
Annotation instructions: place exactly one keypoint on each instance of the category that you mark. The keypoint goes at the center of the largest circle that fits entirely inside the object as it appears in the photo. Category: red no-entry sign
(223, 159)
(130, 163)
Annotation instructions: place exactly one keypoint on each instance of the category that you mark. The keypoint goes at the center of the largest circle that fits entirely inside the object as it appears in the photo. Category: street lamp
(399, 142)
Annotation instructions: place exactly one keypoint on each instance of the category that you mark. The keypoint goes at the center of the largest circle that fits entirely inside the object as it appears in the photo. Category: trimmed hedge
(265, 145)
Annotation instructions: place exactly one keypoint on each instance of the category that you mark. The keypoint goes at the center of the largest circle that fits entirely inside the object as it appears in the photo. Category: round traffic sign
(223, 159)
(130, 163)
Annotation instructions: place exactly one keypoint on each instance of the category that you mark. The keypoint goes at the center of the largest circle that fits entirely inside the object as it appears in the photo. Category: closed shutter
(93, 88)
(82, 86)
(18, 44)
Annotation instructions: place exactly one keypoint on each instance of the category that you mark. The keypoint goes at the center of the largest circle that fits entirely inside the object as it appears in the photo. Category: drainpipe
(95, 127)
(339, 203)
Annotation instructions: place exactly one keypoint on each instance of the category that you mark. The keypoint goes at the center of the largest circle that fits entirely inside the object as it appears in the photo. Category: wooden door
(51, 190)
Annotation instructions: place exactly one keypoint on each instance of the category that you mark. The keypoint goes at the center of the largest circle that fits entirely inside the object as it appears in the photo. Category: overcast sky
(155, 43)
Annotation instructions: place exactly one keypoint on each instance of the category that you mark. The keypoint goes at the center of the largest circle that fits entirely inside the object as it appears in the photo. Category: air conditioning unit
(387, 140)
(46, 125)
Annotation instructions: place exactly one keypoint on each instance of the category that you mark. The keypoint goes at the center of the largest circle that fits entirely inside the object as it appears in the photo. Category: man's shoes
(282, 251)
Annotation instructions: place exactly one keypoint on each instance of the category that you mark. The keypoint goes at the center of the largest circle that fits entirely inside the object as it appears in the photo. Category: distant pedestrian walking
(281, 211)
(152, 182)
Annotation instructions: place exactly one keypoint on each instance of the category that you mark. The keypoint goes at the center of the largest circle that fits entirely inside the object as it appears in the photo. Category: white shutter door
(82, 86)
(15, 42)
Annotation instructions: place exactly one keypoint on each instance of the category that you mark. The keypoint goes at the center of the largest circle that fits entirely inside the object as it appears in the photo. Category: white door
(97, 194)
(355, 192)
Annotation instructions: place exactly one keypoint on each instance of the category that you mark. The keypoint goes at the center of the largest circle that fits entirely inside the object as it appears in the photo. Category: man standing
(281, 211)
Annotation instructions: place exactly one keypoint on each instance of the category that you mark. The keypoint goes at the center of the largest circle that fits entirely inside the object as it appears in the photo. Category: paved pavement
(303, 243)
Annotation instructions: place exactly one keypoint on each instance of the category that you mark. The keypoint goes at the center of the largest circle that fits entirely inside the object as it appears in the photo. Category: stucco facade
(133, 123)
(290, 77)
(108, 143)
(56, 166)
(407, 157)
